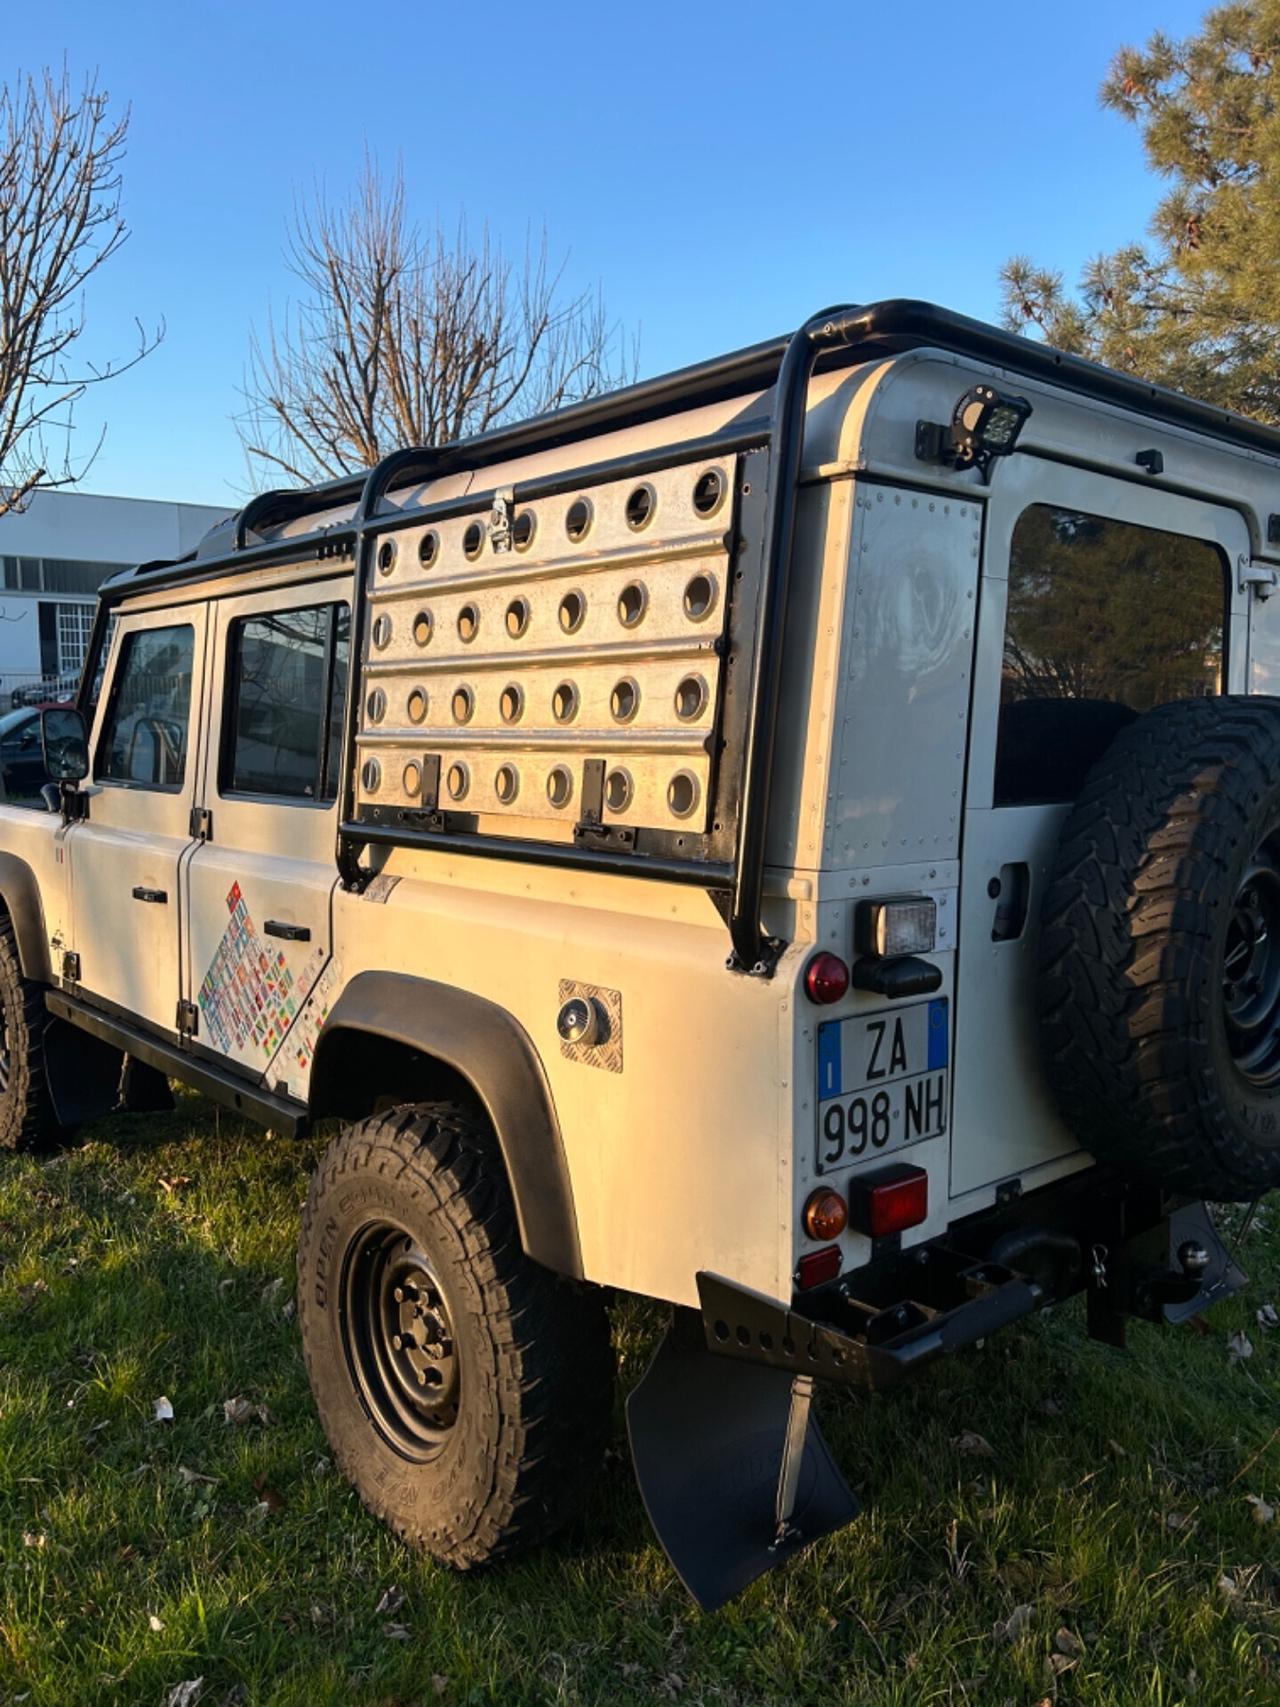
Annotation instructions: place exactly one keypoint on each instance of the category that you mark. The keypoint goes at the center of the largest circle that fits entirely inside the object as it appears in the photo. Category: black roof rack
(835, 337)
(882, 328)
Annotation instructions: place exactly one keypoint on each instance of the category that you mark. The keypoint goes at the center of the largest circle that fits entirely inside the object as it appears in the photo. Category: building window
(74, 626)
(56, 574)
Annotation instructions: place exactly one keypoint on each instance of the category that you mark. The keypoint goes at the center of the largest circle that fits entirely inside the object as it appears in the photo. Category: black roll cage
(835, 337)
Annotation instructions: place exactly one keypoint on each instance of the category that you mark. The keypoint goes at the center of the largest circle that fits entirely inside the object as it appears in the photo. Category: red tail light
(889, 1201)
(826, 979)
(817, 1267)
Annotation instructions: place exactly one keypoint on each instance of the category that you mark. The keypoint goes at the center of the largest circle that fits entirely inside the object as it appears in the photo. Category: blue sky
(721, 170)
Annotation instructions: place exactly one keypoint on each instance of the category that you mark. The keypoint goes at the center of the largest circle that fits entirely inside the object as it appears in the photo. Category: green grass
(1112, 1507)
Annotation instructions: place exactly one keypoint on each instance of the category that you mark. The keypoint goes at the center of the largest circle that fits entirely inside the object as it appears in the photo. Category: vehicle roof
(711, 395)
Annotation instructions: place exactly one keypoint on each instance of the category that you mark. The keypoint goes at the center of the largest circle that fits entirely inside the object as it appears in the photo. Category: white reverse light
(906, 925)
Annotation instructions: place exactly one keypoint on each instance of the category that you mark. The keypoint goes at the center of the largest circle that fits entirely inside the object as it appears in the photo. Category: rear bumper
(1160, 1261)
(958, 1302)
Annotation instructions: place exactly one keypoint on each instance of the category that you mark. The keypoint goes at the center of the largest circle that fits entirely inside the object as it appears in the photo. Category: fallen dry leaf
(1059, 1664)
(975, 1445)
(396, 1632)
(185, 1694)
(1179, 1520)
(1267, 1317)
(173, 1182)
(36, 1539)
(239, 1411)
(1116, 1450)
(1015, 1626)
(392, 1600)
(154, 1623)
(189, 1478)
(163, 1410)
(1068, 1643)
(1239, 1346)
(269, 1497)
(271, 1291)
(1262, 1512)
(439, 1683)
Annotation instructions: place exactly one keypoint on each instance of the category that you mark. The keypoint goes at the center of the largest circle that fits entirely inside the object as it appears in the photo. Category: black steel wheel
(1251, 970)
(398, 1337)
(1160, 951)
(466, 1391)
(27, 1118)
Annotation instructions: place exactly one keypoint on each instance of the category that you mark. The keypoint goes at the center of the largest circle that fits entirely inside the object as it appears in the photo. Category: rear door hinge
(202, 823)
(70, 967)
(188, 1021)
(1258, 578)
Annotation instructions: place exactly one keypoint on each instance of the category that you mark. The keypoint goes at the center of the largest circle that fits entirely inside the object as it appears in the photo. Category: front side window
(144, 741)
(287, 683)
(1106, 619)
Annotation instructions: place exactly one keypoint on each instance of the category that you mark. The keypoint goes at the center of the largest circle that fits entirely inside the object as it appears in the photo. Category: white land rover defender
(798, 839)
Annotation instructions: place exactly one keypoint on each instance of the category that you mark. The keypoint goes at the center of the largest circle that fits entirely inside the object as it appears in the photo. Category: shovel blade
(707, 1436)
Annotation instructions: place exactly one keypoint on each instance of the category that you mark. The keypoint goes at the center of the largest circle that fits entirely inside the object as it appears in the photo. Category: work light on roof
(986, 423)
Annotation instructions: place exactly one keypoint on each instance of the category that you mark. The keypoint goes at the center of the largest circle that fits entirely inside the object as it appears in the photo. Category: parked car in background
(22, 767)
(46, 690)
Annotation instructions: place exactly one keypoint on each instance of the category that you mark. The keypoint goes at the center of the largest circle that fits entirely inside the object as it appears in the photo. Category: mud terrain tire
(27, 1120)
(466, 1391)
(1160, 951)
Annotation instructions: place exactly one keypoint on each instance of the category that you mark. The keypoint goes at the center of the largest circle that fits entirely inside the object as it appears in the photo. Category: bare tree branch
(400, 337)
(60, 220)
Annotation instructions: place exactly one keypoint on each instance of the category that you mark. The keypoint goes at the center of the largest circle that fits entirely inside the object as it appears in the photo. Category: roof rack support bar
(753, 952)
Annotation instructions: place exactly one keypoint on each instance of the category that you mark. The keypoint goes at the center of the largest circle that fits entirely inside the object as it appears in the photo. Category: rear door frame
(1004, 1125)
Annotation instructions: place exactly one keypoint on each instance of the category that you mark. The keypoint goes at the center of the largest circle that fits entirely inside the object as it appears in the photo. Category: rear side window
(144, 740)
(1105, 620)
(287, 685)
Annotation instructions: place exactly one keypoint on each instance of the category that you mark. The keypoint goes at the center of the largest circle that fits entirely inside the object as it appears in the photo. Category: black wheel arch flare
(485, 1045)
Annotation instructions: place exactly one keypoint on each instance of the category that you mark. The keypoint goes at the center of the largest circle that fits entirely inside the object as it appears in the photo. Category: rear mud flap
(733, 1469)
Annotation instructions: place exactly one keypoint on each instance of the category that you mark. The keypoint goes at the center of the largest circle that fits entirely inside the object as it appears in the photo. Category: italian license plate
(882, 1082)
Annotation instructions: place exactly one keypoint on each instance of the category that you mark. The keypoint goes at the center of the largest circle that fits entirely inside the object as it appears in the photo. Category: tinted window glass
(288, 677)
(1105, 620)
(145, 738)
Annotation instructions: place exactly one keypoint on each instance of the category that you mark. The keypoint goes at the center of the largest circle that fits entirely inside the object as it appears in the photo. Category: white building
(55, 554)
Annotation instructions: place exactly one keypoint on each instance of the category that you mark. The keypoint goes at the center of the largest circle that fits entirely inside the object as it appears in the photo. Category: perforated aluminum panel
(516, 664)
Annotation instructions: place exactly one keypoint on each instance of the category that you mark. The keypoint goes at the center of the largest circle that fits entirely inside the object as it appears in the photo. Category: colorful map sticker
(250, 998)
(293, 1063)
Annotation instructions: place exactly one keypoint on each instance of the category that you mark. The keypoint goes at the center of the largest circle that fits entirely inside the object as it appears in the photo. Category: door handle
(143, 894)
(290, 933)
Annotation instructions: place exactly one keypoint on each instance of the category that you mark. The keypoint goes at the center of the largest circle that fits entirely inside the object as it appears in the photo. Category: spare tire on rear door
(1160, 951)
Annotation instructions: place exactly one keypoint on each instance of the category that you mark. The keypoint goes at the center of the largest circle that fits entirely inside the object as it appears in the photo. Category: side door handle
(143, 894)
(290, 933)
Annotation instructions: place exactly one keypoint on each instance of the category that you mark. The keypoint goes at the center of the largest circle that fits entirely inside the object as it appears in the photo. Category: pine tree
(1197, 307)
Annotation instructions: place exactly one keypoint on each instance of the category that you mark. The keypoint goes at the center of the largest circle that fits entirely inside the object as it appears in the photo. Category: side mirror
(65, 742)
